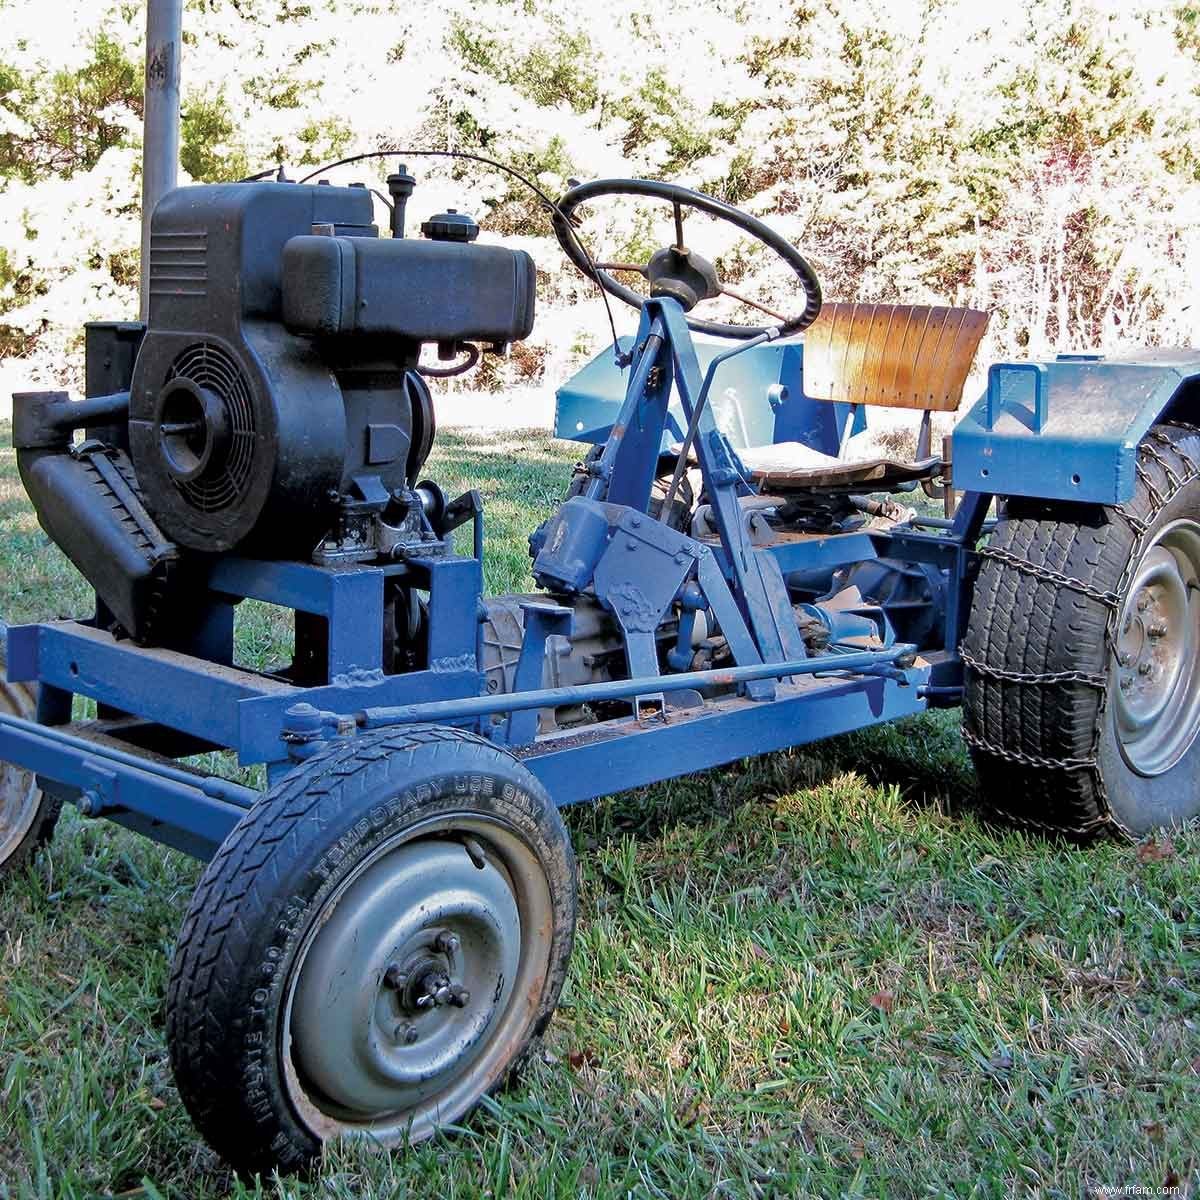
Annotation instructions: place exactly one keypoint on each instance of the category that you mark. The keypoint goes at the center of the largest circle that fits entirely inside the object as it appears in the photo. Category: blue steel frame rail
(188, 811)
(195, 813)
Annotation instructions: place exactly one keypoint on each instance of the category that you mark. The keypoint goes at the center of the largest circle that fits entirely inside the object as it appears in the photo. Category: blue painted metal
(174, 689)
(753, 575)
(823, 550)
(541, 622)
(758, 400)
(189, 812)
(351, 598)
(861, 662)
(722, 732)
(1069, 429)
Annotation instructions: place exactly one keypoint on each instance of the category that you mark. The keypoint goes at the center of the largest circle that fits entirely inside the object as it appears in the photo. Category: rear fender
(1069, 429)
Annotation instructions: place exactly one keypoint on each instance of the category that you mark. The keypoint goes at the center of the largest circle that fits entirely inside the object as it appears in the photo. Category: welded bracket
(542, 621)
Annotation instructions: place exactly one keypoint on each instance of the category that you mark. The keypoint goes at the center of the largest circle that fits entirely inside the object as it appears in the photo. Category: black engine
(271, 405)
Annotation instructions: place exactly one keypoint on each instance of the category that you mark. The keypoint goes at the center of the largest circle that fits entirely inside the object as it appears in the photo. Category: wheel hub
(402, 984)
(1156, 698)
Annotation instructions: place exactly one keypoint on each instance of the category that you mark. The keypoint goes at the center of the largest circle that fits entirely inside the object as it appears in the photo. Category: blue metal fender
(757, 400)
(1069, 429)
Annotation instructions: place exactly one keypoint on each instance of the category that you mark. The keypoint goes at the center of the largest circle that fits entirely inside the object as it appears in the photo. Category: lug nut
(1158, 629)
(1143, 603)
(394, 977)
(1124, 658)
(459, 996)
(1145, 668)
(1126, 682)
(406, 1033)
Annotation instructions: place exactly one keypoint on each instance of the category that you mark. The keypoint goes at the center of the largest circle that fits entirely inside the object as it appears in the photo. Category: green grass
(815, 973)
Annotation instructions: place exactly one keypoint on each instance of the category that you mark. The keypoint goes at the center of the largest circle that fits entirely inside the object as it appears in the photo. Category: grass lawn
(815, 973)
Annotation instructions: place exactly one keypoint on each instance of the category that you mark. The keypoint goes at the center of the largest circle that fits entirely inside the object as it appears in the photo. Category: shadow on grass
(922, 757)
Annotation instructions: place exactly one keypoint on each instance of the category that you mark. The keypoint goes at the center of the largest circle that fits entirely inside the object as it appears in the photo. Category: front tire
(373, 950)
(27, 815)
(1082, 656)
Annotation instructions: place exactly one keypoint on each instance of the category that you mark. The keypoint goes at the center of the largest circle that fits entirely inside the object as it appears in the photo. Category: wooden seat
(893, 355)
(897, 355)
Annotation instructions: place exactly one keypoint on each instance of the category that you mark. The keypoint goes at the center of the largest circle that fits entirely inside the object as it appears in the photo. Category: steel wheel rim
(349, 1065)
(1155, 665)
(20, 797)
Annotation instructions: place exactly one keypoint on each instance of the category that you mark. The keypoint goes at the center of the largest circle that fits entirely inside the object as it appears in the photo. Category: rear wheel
(1082, 654)
(27, 817)
(373, 949)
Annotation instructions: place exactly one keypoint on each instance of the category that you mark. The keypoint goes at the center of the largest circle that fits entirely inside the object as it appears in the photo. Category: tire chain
(1112, 600)
(1049, 575)
(1004, 675)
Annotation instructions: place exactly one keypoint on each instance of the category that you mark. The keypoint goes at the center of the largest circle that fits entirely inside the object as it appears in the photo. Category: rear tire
(27, 815)
(374, 948)
(1082, 656)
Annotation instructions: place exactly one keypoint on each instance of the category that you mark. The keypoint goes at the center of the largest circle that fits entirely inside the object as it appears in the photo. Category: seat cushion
(793, 466)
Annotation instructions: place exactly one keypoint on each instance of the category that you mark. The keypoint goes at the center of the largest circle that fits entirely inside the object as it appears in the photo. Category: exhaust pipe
(160, 121)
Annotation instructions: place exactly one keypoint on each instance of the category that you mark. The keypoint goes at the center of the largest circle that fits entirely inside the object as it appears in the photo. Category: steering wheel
(679, 272)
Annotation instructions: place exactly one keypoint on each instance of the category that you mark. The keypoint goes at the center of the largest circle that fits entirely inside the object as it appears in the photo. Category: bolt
(406, 1033)
(447, 943)
(89, 803)
(1158, 629)
(460, 997)
(1125, 658)
(631, 545)
(1145, 668)
(394, 977)
(1126, 682)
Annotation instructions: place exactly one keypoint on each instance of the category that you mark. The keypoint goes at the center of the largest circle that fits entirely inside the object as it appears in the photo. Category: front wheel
(1082, 655)
(27, 814)
(373, 949)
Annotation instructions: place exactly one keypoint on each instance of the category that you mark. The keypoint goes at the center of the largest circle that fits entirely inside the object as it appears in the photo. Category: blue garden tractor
(382, 930)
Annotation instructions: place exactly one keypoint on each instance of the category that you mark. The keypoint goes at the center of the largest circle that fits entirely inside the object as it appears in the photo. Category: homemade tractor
(382, 930)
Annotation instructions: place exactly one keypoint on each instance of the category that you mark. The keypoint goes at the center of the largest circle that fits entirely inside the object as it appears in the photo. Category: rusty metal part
(898, 355)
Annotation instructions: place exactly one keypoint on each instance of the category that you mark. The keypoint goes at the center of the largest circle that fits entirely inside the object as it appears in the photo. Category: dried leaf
(758, 951)
(1154, 851)
(587, 1057)
(884, 1001)
(1154, 1130)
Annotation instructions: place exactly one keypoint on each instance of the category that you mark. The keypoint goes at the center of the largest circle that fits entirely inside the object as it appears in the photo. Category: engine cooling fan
(207, 429)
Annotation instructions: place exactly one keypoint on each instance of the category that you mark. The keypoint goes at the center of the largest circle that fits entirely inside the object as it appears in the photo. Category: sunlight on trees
(1037, 157)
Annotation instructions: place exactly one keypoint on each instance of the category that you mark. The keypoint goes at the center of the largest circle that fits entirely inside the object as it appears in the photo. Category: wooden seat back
(898, 355)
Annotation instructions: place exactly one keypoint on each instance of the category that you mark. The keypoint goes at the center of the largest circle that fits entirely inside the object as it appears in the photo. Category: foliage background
(1037, 157)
